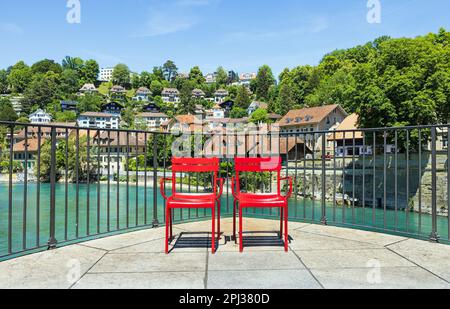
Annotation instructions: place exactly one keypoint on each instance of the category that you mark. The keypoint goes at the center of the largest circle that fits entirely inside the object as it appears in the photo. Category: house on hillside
(113, 108)
(170, 95)
(40, 117)
(152, 121)
(349, 143)
(198, 94)
(142, 94)
(307, 121)
(220, 95)
(95, 120)
(88, 88)
(68, 105)
(255, 105)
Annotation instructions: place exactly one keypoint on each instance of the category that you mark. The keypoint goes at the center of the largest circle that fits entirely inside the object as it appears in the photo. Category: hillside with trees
(388, 82)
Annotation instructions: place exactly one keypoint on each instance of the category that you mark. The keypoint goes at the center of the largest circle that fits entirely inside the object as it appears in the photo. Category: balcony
(353, 218)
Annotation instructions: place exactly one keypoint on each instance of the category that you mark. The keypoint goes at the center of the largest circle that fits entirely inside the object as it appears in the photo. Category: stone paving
(319, 257)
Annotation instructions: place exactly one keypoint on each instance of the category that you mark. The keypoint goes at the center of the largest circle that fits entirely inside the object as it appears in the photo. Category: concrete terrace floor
(319, 257)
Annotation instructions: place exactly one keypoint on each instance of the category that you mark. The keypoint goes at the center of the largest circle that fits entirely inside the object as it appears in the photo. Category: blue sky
(237, 34)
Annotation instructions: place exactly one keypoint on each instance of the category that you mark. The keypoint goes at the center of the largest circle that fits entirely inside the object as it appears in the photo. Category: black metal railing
(63, 184)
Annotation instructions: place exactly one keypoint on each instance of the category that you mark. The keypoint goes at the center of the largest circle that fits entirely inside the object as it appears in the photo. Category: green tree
(121, 75)
(3, 81)
(69, 83)
(19, 77)
(238, 113)
(196, 76)
(222, 77)
(41, 91)
(7, 112)
(264, 80)
(187, 103)
(156, 88)
(90, 71)
(169, 70)
(90, 103)
(45, 66)
(242, 98)
(72, 63)
(260, 116)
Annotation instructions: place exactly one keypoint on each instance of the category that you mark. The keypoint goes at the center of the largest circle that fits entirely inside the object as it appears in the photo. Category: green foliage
(260, 116)
(7, 112)
(3, 81)
(169, 70)
(222, 77)
(45, 66)
(238, 112)
(121, 75)
(19, 77)
(90, 103)
(196, 76)
(242, 98)
(263, 82)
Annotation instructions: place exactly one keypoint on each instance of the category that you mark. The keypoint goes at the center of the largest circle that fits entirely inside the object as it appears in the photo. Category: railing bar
(364, 179)
(155, 181)
(25, 193)
(396, 182)
(324, 179)
(296, 175)
(343, 178)
(127, 166)
(137, 179)
(88, 160)
(384, 178)
(119, 150)
(304, 175)
(374, 196)
(38, 191)
(164, 175)
(407, 180)
(98, 182)
(420, 182)
(314, 177)
(10, 191)
(66, 185)
(353, 177)
(145, 175)
(108, 205)
(434, 234)
(77, 185)
(334, 176)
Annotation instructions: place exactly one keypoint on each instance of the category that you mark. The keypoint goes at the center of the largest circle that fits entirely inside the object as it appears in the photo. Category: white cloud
(169, 17)
(11, 28)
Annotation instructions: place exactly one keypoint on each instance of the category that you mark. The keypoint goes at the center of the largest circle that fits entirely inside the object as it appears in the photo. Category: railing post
(324, 206)
(52, 240)
(434, 237)
(155, 182)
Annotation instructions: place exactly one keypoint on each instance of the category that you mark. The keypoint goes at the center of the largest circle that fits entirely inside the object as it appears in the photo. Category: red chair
(185, 200)
(260, 200)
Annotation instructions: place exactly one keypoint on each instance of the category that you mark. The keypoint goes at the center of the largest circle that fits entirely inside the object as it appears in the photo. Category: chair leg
(167, 230)
(213, 240)
(281, 222)
(171, 224)
(234, 221)
(218, 219)
(241, 238)
(286, 231)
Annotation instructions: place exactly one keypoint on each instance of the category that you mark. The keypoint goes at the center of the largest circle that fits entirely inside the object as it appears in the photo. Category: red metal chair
(187, 200)
(260, 200)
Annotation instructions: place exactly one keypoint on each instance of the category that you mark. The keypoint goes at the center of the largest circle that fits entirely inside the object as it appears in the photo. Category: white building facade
(40, 116)
(98, 121)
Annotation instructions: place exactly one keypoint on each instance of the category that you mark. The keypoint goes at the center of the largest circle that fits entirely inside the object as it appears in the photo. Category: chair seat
(192, 201)
(261, 200)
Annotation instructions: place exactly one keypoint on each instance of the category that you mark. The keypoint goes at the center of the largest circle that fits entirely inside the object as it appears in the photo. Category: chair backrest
(195, 165)
(258, 165)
